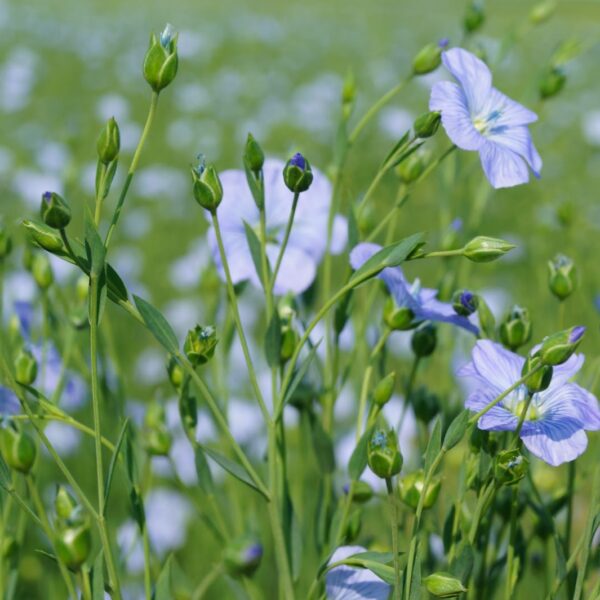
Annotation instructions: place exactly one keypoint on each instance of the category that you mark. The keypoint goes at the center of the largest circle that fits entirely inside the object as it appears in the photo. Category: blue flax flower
(307, 243)
(352, 583)
(476, 116)
(557, 418)
(421, 301)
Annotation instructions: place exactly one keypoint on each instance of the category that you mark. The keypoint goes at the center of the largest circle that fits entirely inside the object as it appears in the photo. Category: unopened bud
(510, 466)
(558, 348)
(64, 503)
(562, 276)
(464, 303)
(428, 59)
(552, 82)
(208, 190)
(540, 377)
(242, 556)
(25, 367)
(175, 372)
(200, 344)
(73, 545)
(515, 330)
(17, 448)
(427, 124)
(254, 157)
(55, 212)
(383, 455)
(411, 489)
(109, 142)
(542, 12)
(297, 174)
(161, 61)
(426, 405)
(361, 491)
(45, 237)
(424, 340)
(397, 318)
(444, 585)
(42, 271)
(413, 166)
(485, 249)
(474, 17)
(384, 389)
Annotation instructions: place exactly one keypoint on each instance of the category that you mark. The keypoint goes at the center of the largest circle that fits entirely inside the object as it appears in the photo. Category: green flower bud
(426, 405)
(353, 527)
(464, 303)
(485, 249)
(64, 503)
(361, 491)
(540, 380)
(562, 276)
(44, 237)
(25, 367)
(384, 389)
(254, 157)
(427, 124)
(444, 585)
(55, 212)
(510, 466)
(542, 12)
(428, 59)
(289, 339)
(411, 489)
(82, 288)
(5, 242)
(413, 166)
(161, 61)
(17, 448)
(73, 545)
(348, 94)
(175, 371)
(157, 439)
(42, 271)
(242, 556)
(474, 17)
(424, 340)
(297, 174)
(78, 317)
(200, 344)
(398, 318)
(515, 330)
(558, 348)
(552, 83)
(208, 190)
(109, 142)
(383, 456)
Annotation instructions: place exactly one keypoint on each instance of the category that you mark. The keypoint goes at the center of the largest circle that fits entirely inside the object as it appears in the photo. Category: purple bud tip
(466, 299)
(443, 43)
(346, 488)
(47, 196)
(253, 552)
(298, 161)
(457, 224)
(576, 333)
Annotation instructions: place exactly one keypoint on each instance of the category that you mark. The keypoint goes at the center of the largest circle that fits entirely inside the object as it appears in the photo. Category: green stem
(485, 497)
(99, 195)
(39, 506)
(508, 589)
(208, 580)
(572, 469)
(286, 238)
(395, 544)
(147, 565)
(85, 584)
(132, 168)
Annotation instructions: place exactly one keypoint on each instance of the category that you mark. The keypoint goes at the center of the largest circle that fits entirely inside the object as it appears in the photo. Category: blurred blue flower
(9, 404)
(556, 421)
(307, 243)
(351, 583)
(476, 116)
(421, 301)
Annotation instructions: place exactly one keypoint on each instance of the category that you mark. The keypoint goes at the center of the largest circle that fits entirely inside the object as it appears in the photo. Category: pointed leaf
(457, 429)
(158, 325)
(434, 445)
(322, 446)
(300, 373)
(163, 584)
(358, 460)
(205, 479)
(255, 252)
(113, 462)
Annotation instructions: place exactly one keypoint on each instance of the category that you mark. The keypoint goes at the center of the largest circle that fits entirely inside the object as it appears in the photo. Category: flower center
(517, 401)
(484, 124)
(532, 412)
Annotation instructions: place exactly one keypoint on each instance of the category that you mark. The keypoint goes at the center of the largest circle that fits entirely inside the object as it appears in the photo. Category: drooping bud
(200, 344)
(515, 330)
(427, 124)
(208, 190)
(297, 174)
(157, 439)
(398, 318)
(426, 404)
(557, 348)
(383, 454)
(18, 448)
(55, 212)
(510, 466)
(540, 380)
(474, 17)
(161, 61)
(42, 271)
(444, 585)
(25, 367)
(562, 276)
(254, 157)
(464, 302)
(384, 389)
(542, 12)
(411, 489)
(361, 491)
(552, 82)
(109, 142)
(485, 249)
(74, 544)
(44, 237)
(242, 556)
(424, 340)
(5, 242)
(427, 59)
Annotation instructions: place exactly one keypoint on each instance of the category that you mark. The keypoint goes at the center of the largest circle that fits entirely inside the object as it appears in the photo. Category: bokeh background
(276, 69)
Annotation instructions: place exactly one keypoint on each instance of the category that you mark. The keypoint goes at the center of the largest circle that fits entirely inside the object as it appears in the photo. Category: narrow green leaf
(158, 325)
(457, 429)
(94, 247)
(353, 231)
(98, 578)
(415, 580)
(233, 468)
(434, 445)
(375, 565)
(254, 186)
(397, 146)
(163, 584)
(322, 446)
(404, 155)
(358, 460)
(255, 251)
(110, 175)
(273, 340)
(300, 373)
(4, 473)
(205, 479)
(462, 565)
(113, 461)
(390, 256)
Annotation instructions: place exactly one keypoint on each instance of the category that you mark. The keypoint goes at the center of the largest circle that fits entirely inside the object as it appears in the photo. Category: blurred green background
(276, 69)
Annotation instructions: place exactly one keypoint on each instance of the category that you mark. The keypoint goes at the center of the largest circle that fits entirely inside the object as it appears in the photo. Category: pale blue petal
(510, 113)
(349, 583)
(435, 310)
(587, 406)
(555, 445)
(297, 272)
(449, 99)
(9, 403)
(497, 365)
(518, 139)
(237, 205)
(567, 370)
(503, 167)
(339, 234)
(473, 75)
(497, 418)
(361, 253)
(24, 312)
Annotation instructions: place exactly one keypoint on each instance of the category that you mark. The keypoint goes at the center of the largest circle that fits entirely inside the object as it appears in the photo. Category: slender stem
(132, 168)
(483, 501)
(286, 237)
(208, 580)
(39, 506)
(85, 584)
(100, 195)
(508, 589)
(147, 565)
(14, 494)
(521, 421)
(572, 469)
(395, 544)
(238, 321)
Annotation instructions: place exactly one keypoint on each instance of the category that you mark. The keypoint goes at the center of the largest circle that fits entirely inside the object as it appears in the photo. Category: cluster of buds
(73, 537)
